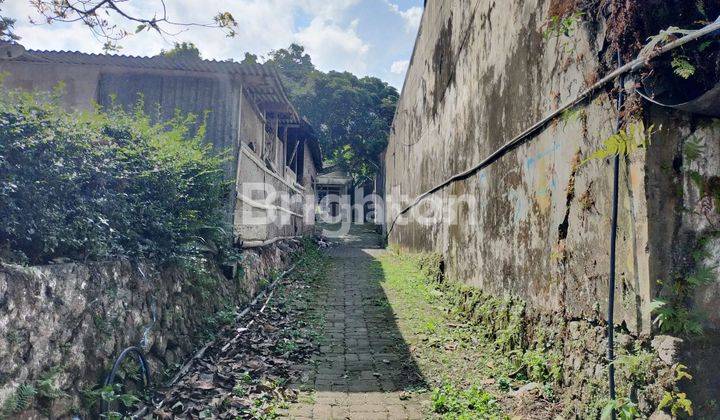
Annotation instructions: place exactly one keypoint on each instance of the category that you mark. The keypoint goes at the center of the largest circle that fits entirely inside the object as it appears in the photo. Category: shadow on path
(364, 365)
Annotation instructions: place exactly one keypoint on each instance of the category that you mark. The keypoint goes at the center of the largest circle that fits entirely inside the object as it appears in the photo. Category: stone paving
(365, 365)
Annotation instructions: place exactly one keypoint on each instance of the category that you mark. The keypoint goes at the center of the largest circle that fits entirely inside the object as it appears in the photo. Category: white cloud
(331, 45)
(399, 67)
(330, 37)
(411, 16)
(326, 9)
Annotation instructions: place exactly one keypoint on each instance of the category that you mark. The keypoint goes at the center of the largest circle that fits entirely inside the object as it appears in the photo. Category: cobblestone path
(365, 365)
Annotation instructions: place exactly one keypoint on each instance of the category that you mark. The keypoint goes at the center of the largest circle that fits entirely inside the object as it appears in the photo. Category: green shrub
(471, 403)
(98, 185)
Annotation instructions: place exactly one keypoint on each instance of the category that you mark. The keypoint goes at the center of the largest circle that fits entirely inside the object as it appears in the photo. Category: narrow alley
(361, 332)
(360, 209)
(365, 366)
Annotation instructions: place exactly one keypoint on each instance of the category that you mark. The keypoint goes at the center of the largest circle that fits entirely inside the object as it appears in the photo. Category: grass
(442, 340)
(471, 403)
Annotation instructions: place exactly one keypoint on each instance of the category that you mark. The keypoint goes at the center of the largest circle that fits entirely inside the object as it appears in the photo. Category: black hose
(613, 241)
(144, 367)
(640, 62)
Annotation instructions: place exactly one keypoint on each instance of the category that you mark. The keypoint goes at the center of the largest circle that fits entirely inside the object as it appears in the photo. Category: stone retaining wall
(72, 320)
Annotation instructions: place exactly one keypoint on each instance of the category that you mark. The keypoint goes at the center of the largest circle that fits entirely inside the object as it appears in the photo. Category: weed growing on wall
(98, 185)
(563, 28)
(20, 400)
(624, 143)
(672, 312)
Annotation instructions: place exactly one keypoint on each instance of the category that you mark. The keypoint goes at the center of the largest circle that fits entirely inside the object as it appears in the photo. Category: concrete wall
(309, 176)
(482, 72)
(268, 204)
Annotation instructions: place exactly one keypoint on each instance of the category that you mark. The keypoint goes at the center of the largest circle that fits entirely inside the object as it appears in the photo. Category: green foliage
(676, 402)
(6, 27)
(683, 67)
(572, 114)
(105, 184)
(471, 403)
(563, 26)
(110, 394)
(693, 149)
(351, 115)
(624, 143)
(183, 51)
(676, 319)
(680, 372)
(226, 21)
(624, 410)
(21, 400)
(250, 58)
(285, 346)
(47, 385)
(539, 366)
(672, 312)
(636, 366)
(705, 44)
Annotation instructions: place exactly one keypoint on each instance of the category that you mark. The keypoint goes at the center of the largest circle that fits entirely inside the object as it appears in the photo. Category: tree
(294, 63)
(97, 15)
(6, 27)
(250, 59)
(183, 51)
(351, 115)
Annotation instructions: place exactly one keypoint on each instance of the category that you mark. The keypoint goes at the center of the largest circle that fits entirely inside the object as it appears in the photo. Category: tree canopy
(351, 115)
(6, 27)
(184, 51)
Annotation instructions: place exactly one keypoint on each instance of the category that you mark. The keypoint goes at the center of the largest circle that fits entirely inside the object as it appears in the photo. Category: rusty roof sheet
(261, 81)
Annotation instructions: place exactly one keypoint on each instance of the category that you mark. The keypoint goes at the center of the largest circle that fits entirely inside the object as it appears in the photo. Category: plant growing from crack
(624, 143)
(672, 311)
(19, 401)
(623, 408)
(563, 28)
(682, 66)
(674, 400)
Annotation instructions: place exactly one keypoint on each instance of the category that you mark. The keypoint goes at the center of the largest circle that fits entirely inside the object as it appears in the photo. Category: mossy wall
(73, 320)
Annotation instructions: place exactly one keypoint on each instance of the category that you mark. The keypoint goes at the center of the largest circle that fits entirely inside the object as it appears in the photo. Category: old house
(248, 115)
(332, 186)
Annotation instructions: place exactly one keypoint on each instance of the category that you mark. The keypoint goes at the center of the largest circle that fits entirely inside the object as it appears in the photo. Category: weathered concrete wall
(483, 72)
(310, 173)
(268, 205)
(75, 319)
(684, 225)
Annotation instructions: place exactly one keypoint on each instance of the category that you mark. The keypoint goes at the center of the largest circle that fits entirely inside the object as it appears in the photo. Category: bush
(98, 185)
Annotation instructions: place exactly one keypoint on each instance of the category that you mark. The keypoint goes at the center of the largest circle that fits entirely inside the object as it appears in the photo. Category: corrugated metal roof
(261, 81)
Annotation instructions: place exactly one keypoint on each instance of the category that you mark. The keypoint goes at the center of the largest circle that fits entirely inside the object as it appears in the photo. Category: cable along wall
(541, 228)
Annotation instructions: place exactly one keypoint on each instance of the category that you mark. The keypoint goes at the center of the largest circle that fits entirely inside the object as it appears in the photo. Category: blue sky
(366, 37)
